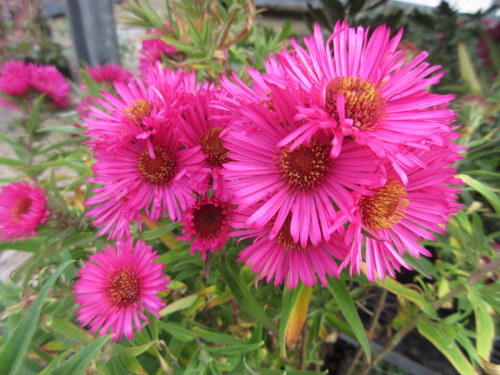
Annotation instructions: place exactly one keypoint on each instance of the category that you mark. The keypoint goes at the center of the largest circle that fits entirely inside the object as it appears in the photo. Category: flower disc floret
(364, 103)
(385, 208)
(211, 145)
(306, 167)
(124, 287)
(159, 170)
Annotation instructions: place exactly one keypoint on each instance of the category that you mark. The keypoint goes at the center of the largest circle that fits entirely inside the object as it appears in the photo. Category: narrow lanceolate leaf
(34, 119)
(339, 291)
(486, 191)
(467, 71)
(14, 350)
(78, 362)
(443, 339)
(485, 327)
(243, 296)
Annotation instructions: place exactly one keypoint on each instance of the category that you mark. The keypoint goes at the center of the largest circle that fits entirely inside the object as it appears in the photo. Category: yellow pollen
(136, 112)
(211, 145)
(364, 103)
(284, 237)
(124, 287)
(160, 170)
(385, 208)
(208, 220)
(21, 207)
(306, 167)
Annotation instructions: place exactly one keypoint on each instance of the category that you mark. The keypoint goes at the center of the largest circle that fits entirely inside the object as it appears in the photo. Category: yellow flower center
(364, 103)
(385, 208)
(124, 287)
(160, 170)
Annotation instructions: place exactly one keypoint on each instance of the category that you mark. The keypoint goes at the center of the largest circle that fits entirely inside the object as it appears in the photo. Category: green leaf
(132, 351)
(14, 350)
(78, 363)
(485, 327)
(12, 163)
(219, 338)
(71, 331)
(467, 71)
(234, 349)
(61, 129)
(339, 291)
(485, 190)
(30, 245)
(243, 295)
(177, 331)
(34, 119)
(180, 304)
(92, 87)
(442, 337)
(399, 289)
(290, 297)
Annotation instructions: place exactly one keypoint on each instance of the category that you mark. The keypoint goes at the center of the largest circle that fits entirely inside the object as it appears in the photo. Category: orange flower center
(124, 287)
(136, 112)
(364, 103)
(211, 145)
(385, 208)
(305, 167)
(21, 207)
(160, 170)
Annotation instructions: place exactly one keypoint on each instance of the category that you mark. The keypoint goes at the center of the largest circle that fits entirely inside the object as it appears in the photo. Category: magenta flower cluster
(21, 80)
(337, 155)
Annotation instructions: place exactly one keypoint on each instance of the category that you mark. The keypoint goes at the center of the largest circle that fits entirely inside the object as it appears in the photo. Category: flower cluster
(335, 156)
(21, 81)
(339, 151)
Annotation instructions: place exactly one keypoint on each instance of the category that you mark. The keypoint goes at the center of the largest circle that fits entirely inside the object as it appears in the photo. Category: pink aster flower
(153, 51)
(282, 259)
(117, 287)
(138, 178)
(14, 81)
(207, 223)
(358, 85)
(137, 113)
(199, 127)
(392, 219)
(14, 78)
(305, 182)
(23, 207)
(109, 73)
(48, 80)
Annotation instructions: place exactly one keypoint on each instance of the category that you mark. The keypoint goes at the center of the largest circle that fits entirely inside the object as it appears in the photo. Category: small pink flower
(207, 223)
(391, 220)
(153, 50)
(23, 207)
(14, 81)
(117, 287)
(109, 73)
(304, 182)
(357, 85)
(48, 80)
(283, 259)
(153, 179)
(199, 127)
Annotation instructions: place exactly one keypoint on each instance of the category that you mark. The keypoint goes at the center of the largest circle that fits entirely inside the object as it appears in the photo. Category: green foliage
(218, 319)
